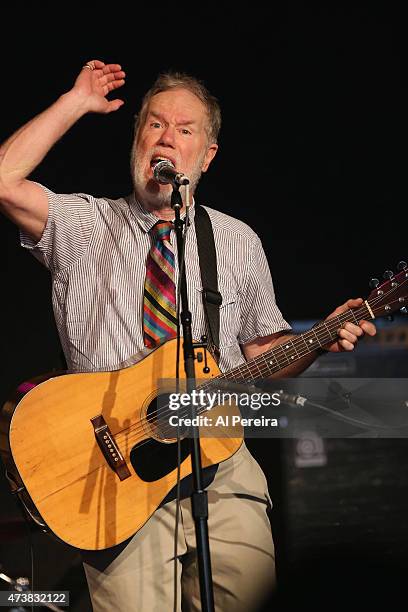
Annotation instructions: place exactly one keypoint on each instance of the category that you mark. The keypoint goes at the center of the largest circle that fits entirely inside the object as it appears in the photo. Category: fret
(339, 320)
(316, 336)
(257, 367)
(243, 371)
(294, 342)
(251, 373)
(265, 363)
(329, 331)
(291, 350)
(271, 361)
(354, 316)
(307, 344)
(280, 348)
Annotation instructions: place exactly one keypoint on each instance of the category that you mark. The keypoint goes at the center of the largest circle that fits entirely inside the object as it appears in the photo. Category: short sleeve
(260, 315)
(68, 231)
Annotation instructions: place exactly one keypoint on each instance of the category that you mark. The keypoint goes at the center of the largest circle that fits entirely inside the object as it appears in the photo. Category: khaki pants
(138, 576)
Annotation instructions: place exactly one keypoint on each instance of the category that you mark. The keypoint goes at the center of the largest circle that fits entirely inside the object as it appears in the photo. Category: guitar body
(54, 451)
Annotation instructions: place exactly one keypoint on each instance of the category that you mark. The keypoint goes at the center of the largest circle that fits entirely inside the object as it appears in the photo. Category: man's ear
(211, 151)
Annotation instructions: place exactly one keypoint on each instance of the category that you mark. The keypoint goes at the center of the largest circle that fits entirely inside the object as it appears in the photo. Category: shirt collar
(146, 219)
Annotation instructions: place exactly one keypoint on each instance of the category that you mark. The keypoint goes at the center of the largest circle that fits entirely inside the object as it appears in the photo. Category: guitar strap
(207, 256)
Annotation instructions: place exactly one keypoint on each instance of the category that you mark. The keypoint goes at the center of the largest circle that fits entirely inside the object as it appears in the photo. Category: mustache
(157, 152)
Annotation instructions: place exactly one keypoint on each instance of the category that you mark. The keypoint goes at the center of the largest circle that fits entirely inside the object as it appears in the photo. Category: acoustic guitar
(88, 455)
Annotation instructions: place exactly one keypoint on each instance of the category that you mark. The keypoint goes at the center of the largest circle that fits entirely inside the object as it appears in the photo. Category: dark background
(311, 149)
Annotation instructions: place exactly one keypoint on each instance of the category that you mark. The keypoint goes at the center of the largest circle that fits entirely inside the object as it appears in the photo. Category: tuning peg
(388, 274)
(402, 265)
(404, 310)
(374, 282)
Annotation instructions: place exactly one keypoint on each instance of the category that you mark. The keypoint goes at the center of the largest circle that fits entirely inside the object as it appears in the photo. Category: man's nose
(167, 137)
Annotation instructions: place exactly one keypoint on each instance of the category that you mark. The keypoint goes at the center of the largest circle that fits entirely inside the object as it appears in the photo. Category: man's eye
(155, 124)
(185, 131)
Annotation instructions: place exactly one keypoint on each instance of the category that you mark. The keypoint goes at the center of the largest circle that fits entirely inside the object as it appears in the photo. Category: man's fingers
(353, 329)
(349, 333)
(107, 68)
(113, 76)
(93, 65)
(117, 79)
(114, 105)
(368, 328)
(344, 334)
(116, 84)
(346, 345)
(111, 86)
(353, 303)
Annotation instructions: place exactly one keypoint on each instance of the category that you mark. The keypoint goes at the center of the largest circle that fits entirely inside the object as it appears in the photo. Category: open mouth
(159, 158)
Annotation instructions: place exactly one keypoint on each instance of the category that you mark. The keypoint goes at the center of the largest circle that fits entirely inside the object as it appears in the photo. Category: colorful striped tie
(159, 305)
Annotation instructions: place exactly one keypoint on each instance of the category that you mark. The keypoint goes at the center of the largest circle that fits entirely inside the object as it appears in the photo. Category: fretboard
(296, 348)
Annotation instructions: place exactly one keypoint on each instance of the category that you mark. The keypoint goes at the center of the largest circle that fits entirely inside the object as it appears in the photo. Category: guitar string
(166, 432)
(212, 382)
(139, 427)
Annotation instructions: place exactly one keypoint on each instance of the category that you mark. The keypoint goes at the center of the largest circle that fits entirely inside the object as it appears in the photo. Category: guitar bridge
(109, 448)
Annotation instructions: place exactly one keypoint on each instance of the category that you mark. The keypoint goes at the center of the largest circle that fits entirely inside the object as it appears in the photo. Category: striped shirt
(96, 250)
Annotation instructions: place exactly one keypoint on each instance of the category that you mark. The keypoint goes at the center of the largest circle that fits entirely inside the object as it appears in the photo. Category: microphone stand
(199, 502)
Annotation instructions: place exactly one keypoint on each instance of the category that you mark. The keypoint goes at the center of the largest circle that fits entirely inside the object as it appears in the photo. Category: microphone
(165, 173)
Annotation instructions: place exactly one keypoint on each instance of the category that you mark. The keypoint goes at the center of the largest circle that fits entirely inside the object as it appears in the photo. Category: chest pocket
(229, 317)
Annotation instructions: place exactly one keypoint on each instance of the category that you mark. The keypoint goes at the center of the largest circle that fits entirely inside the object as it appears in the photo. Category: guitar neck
(301, 345)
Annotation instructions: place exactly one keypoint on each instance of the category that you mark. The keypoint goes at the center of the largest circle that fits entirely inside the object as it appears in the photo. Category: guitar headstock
(391, 295)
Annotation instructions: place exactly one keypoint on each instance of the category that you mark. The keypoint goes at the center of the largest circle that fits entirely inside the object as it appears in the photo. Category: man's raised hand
(95, 81)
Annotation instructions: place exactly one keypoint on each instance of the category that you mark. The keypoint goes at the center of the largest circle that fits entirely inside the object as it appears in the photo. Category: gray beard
(155, 197)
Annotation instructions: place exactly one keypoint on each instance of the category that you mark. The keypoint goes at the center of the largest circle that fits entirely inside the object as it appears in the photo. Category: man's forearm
(27, 147)
(298, 366)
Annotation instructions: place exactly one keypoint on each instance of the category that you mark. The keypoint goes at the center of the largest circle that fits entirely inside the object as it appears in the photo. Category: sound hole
(153, 459)
(157, 419)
